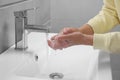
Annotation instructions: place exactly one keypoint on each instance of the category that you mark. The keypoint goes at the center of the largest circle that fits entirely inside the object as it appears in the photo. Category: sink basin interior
(74, 63)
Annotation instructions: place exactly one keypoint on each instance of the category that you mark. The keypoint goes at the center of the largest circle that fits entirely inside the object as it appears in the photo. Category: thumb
(67, 30)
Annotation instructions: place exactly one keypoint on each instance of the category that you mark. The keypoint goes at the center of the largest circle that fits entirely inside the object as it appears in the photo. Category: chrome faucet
(22, 27)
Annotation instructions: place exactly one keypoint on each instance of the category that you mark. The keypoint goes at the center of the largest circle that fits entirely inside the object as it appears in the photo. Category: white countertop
(76, 63)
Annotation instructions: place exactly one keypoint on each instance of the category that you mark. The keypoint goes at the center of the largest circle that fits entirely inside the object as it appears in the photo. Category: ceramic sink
(74, 63)
(39, 62)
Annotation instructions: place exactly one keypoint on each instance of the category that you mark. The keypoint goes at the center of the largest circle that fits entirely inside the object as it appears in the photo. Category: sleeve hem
(101, 41)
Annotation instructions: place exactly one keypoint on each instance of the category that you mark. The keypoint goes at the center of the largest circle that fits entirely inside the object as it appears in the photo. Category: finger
(66, 37)
(50, 44)
(64, 41)
(53, 38)
(70, 30)
(67, 30)
(53, 45)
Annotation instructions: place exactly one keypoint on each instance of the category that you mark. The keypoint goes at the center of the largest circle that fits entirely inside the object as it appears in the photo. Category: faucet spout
(39, 28)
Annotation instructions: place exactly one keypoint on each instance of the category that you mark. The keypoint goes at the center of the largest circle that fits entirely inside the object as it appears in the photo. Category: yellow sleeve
(106, 19)
(108, 42)
(103, 22)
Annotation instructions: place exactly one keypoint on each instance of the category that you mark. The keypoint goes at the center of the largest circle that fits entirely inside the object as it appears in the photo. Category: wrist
(86, 29)
(88, 39)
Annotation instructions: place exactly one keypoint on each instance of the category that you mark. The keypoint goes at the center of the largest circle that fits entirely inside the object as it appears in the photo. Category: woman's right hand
(66, 30)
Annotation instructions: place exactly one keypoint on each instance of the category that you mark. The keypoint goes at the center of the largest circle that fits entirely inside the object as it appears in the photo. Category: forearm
(86, 29)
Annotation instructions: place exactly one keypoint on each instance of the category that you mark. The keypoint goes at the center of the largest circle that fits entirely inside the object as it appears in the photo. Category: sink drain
(56, 75)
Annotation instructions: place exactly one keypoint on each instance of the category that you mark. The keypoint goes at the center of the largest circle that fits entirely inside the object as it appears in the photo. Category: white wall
(7, 25)
(72, 13)
(7, 19)
(42, 15)
(4, 2)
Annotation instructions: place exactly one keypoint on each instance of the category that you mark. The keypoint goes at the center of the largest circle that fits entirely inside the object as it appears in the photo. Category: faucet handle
(23, 13)
(20, 14)
(30, 9)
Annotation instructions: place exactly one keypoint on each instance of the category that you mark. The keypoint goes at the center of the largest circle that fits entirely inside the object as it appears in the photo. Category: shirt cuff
(92, 24)
(101, 41)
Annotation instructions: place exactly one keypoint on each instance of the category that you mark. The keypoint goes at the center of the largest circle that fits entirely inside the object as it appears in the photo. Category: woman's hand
(66, 30)
(67, 39)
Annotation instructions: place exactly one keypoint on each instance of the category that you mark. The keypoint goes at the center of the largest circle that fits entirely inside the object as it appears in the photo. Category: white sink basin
(75, 63)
